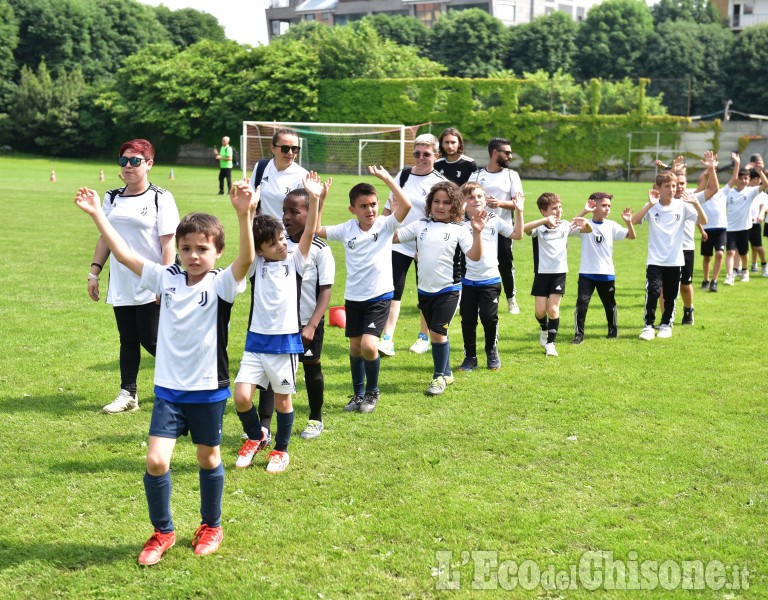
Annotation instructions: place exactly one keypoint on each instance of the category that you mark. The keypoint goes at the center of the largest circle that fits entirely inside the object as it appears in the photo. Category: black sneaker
(713, 286)
(577, 339)
(705, 284)
(369, 401)
(494, 362)
(613, 332)
(687, 316)
(354, 403)
(469, 364)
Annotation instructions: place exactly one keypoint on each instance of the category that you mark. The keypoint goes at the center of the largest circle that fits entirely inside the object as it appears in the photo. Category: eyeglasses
(286, 149)
(134, 161)
(507, 153)
(417, 154)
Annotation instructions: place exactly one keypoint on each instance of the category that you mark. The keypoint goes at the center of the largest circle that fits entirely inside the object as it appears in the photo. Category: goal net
(331, 148)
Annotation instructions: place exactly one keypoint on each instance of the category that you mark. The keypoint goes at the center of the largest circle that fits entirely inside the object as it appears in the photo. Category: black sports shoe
(577, 339)
(469, 364)
(713, 286)
(354, 403)
(687, 316)
(613, 332)
(494, 362)
(369, 401)
(705, 284)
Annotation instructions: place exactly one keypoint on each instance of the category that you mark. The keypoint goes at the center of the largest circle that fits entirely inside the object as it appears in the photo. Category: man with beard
(453, 164)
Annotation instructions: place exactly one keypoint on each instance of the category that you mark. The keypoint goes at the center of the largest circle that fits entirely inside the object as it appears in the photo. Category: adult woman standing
(146, 217)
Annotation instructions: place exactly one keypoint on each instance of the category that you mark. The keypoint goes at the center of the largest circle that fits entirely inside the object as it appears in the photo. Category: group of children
(291, 271)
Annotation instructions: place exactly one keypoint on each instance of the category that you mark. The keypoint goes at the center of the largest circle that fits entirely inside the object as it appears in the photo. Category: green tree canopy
(547, 43)
(401, 29)
(744, 67)
(187, 26)
(695, 11)
(9, 33)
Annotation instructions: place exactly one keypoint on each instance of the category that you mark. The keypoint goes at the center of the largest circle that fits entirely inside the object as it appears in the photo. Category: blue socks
(357, 366)
(283, 434)
(372, 368)
(211, 493)
(158, 491)
(441, 355)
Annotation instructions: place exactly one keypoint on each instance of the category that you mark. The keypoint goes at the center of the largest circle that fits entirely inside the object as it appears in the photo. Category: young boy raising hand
(191, 367)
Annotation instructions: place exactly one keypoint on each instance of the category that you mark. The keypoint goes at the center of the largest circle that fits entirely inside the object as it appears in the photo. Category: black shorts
(716, 240)
(400, 265)
(754, 236)
(546, 284)
(315, 348)
(686, 273)
(439, 310)
(738, 240)
(203, 421)
(366, 317)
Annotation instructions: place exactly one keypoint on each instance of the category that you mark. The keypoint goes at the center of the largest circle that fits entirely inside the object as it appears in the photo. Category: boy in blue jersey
(191, 369)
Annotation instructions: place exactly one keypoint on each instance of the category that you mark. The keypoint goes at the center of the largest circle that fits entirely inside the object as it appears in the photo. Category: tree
(547, 43)
(695, 11)
(470, 43)
(9, 33)
(744, 67)
(401, 29)
(612, 39)
(187, 26)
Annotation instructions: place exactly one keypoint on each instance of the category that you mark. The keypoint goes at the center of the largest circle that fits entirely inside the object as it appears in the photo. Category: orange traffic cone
(101, 175)
(53, 176)
(171, 175)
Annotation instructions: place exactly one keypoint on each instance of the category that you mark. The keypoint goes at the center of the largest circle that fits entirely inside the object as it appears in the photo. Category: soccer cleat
(744, 276)
(728, 279)
(250, 448)
(550, 349)
(448, 379)
(421, 345)
(493, 361)
(512, 306)
(369, 401)
(386, 345)
(687, 316)
(312, 430)
(765, 271)
(705, 284)
(437, 386)
(354, 403)
(647, 333)
(543, 338)
(207, 539)
(613, 332)
(713, 286)
(278, 461)
(665, 331)
(155, 547)
(577, 339)
(469, 364)
(123, 403)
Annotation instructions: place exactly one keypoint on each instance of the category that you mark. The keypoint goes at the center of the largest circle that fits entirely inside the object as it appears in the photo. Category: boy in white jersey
(757, 215)
(191, 369)
(596, 270)
(439, 239)
(369, 288)
(481, 281)
(273, 341)
(550, 238)
(666, 216)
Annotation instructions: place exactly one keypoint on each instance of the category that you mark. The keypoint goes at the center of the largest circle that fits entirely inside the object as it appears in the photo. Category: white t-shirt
(597, 247)
(553, 244)
(487, 268)
(275, 185)
(738, 204)
(416, 190)
(666, 228)
(368, 257)
(689, 231)
(754, 210)
(438, 246)
(194, 325)
(275, 294)
(319, 270)
(714, 209)
(502, 185)
(140, 223)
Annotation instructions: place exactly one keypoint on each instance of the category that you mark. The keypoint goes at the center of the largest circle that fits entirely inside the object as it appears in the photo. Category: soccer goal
(331, 148)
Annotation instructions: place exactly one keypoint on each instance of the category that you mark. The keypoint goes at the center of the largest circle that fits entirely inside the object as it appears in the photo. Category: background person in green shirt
(224, 156)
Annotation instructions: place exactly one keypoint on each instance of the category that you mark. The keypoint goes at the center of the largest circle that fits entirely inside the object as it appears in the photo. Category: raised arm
(581, 224)
(244, 200)
(531, 225)
(478, 223)
(710, 173)
(314, 188)
(88, 201)
(319, 229)
(588, 207)
(626, 216)
(736, 166)
(402, 203)
(689, 198)
(519, 203)
(653, 198)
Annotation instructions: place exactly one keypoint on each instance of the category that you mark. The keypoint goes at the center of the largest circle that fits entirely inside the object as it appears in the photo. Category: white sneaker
(312, 430)
(512, 306)
(420, 346)
(647, 333)
(665, 331)
(744, 276)
(550, 349)
(543, 339)
(765, 271)
(728, 279)
(386, 347)
(123, 403)
(278, 461)
(437, 386)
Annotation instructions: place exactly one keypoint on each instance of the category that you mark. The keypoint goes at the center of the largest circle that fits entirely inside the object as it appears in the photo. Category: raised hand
(589, 206)
(479, 220)
(87, 200)
(379, 172)
(626, 214)
(678, 164)
(688, 197)
(710, 159)
(653, 196)
(518, 201)
(326, 188)
(578, 223)
(736, 158)
(313, 184)
(551, 221)
(660, 165)
(244, 198)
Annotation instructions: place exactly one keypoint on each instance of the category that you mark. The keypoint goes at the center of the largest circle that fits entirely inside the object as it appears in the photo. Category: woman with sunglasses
(281, 175)
(416, 181)
(146, 217)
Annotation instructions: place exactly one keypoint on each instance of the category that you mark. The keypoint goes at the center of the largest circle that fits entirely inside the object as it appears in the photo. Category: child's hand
(704, 235)
(326, 188)
(590, 205)
(244, 198)
(519, 201)
(380, 173)
(479, 220)
(491, 202)
(709, 160)
(627, 214)
(87, 200)
(578, 223)
(736, 158)
(653, 196)
(688, 197)
(313, 184)
(660, 165)
(678, 164)
(551, 221)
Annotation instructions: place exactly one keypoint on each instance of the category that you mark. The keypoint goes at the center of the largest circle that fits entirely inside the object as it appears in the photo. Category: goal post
(332, 148)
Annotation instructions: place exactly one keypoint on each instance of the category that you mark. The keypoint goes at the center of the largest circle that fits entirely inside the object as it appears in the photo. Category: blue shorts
(202, 421)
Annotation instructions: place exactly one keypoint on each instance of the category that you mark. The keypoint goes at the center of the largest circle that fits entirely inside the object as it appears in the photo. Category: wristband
(92, 277)
(95, 264)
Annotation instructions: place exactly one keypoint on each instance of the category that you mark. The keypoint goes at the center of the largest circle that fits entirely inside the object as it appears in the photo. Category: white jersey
(552, 245)
(502, 185)
(275, 185)
(275, 294)
(438, 245)
(737, 204)
(689, 231)
(597, 247)
(487, 268)
(368, 257)
(319, 270)
(757, 204)
(666, 227)
(140, 220)
(416, 190)
(714, 209)
(194, 325)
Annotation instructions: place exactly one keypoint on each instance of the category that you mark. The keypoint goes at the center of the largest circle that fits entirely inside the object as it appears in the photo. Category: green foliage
(612, 39)
(547, 43)
(187, 26)
(9, 33)
(470, 43)
(694, 11)
(744, 66)
(401, 29)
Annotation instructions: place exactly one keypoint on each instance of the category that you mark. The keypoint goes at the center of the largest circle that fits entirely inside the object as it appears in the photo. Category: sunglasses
(134, 161)
(508, 153)
(417, 154)
(286, 149)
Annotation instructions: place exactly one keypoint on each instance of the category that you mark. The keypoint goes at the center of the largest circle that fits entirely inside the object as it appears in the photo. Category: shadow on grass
(62, 404)
(64, 555)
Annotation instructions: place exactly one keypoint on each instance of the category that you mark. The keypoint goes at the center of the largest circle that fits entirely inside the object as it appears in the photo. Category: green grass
(619, 445)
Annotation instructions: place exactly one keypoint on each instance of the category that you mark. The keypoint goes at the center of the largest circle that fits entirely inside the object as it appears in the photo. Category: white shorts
(264, 369)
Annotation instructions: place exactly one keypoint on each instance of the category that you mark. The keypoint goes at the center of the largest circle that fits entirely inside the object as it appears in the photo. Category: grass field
(651, 451)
